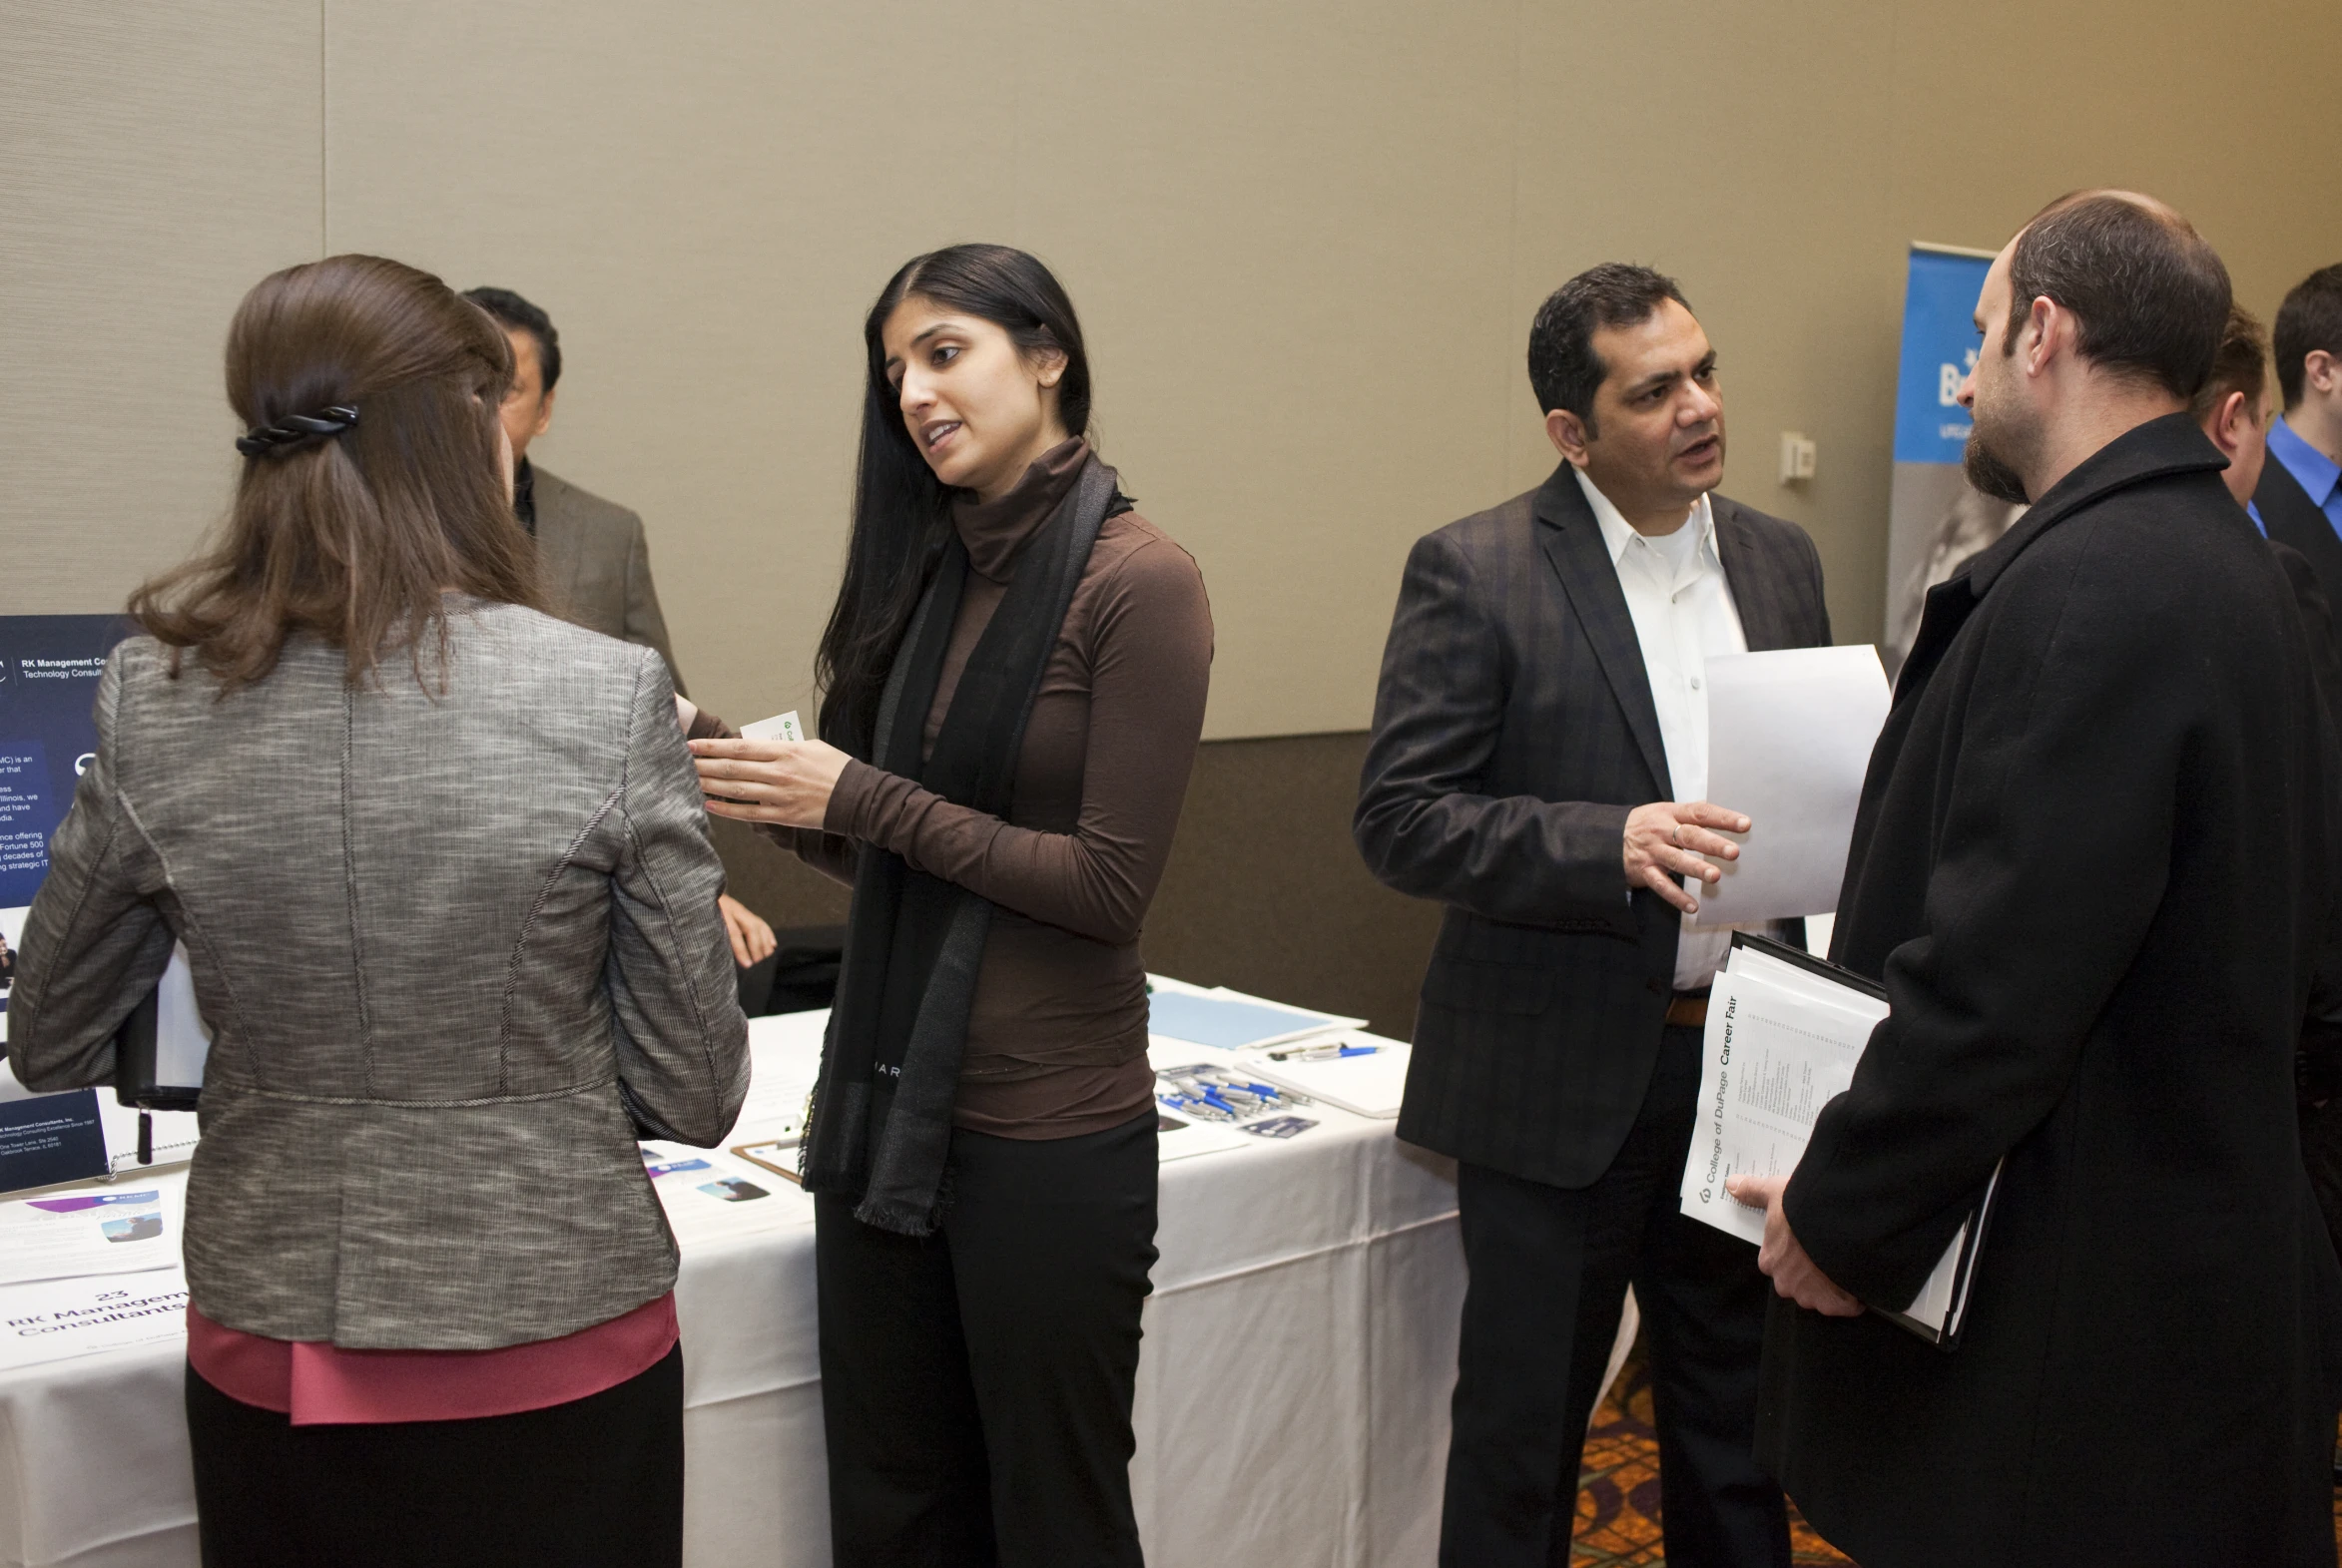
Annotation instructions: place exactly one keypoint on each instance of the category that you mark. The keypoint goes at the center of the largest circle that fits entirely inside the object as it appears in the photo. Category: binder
(160, 1051)
(1940, 1309)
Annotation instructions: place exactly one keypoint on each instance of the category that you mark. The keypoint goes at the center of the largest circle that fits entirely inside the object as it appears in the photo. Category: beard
(1997, 444)
(1989, 472)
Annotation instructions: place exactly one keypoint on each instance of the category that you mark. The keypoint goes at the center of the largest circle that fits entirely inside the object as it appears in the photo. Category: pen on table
(1322, 1052)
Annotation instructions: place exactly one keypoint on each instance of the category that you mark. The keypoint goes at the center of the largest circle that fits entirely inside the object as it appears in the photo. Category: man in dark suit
(595, 560)
(1538, 759)
(2094, 866)
(2300, 497)
(2232, 407)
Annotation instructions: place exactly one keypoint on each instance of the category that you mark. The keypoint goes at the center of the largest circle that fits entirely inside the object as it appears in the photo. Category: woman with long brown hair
(1014, 679)
(439, 866)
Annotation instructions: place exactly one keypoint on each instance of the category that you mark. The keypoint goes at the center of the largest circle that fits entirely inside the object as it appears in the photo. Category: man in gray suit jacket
(595, 560)
(1538, 763)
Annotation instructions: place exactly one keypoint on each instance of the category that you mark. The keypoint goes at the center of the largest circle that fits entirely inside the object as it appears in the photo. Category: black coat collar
(2171, 444)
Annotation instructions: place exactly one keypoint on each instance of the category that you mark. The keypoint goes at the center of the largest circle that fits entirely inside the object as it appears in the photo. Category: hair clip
(295, 429)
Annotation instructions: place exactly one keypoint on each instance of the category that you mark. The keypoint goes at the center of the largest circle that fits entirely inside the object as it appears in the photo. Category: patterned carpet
(1619, 1502)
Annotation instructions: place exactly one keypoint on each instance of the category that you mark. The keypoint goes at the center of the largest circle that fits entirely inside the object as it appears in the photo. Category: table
(1292, 1390)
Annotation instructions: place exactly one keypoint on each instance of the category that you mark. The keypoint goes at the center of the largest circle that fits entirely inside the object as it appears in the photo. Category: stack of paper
(1781, 1044)
(1363, 1074)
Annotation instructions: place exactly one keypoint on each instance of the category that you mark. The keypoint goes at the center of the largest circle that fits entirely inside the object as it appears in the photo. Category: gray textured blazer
(597, 565)
(1513, 731)
(432, 936)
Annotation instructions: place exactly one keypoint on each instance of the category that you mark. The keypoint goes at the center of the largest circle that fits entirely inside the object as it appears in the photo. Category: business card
(780, 726)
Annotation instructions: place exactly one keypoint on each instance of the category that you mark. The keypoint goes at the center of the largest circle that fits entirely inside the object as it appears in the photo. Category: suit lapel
(2292, 518)
(1572, 544)
(1756, 594)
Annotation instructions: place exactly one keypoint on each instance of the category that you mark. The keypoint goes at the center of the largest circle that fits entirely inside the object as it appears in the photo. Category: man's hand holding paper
(1671, 838)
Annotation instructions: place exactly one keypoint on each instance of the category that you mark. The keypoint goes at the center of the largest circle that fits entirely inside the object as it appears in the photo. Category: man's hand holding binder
(1785, 1033)
(1780, 1258)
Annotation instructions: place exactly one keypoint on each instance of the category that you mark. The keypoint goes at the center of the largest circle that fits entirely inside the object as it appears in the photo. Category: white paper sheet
(129, 1225)
(785, 1061)
(1371, 1085)
(1177, 1138)
(1790, 734)
(1775, 1055)
(182, 1041)
(57, 1318)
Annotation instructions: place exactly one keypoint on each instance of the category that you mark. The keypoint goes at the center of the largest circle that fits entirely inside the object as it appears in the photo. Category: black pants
(598, 1480)
(1548, 1274)
(976, 1383)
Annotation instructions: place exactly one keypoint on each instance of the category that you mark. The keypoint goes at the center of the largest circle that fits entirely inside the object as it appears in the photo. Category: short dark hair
(1563, 368)
(516, 315)
(2149, 296)
(2241, 366)
(2309, 320)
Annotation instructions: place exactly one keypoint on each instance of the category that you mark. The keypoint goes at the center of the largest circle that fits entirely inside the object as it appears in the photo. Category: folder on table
(1233, 1021)
(1784, 1032)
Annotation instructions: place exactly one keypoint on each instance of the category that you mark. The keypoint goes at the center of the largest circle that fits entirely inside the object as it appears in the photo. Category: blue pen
(1321, 1053)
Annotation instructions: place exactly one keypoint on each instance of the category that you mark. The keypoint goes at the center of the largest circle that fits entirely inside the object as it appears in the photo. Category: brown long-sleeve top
(1058, 1034)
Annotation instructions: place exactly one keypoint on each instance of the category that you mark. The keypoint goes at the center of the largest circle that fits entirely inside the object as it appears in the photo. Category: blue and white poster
(49, 669)
(1936, 520)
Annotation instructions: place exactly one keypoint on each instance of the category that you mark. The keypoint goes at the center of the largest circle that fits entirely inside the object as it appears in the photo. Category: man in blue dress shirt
(2298, 499)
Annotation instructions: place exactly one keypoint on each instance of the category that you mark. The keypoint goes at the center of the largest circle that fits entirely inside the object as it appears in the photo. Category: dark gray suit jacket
(1513, 731)
(598, 566)
(434, 933)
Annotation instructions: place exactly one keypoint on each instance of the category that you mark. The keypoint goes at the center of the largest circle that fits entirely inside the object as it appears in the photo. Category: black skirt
(598, 1480)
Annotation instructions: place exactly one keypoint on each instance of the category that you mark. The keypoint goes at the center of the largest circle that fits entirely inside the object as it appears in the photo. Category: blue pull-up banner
(1936, 521)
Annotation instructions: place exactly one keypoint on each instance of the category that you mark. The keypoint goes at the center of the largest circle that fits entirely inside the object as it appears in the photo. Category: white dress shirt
(1683, 615)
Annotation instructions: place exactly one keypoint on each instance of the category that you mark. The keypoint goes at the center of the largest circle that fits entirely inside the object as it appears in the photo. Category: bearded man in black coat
(2094, 866)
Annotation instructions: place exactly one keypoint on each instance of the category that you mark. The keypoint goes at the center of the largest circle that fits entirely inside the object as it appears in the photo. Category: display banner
(49, 669)
(1936, 519)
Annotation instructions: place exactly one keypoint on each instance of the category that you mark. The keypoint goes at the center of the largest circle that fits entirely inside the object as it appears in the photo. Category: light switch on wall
(1797, 457)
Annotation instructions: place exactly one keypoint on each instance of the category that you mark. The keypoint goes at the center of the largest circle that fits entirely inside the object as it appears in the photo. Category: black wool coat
(2094, 864)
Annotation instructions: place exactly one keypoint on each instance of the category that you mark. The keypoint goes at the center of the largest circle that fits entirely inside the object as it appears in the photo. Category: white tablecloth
(1292, 1391)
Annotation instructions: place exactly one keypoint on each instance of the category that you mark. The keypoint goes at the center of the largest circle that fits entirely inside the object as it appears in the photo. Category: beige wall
(1306, 238)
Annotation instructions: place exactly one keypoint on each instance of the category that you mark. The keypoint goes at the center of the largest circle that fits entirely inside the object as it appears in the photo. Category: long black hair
(901, 511)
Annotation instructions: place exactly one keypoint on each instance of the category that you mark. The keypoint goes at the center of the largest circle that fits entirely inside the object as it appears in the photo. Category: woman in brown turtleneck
(1022, 743)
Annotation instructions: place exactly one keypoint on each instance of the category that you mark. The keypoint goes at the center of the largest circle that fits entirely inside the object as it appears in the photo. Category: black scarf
(881, 1120)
